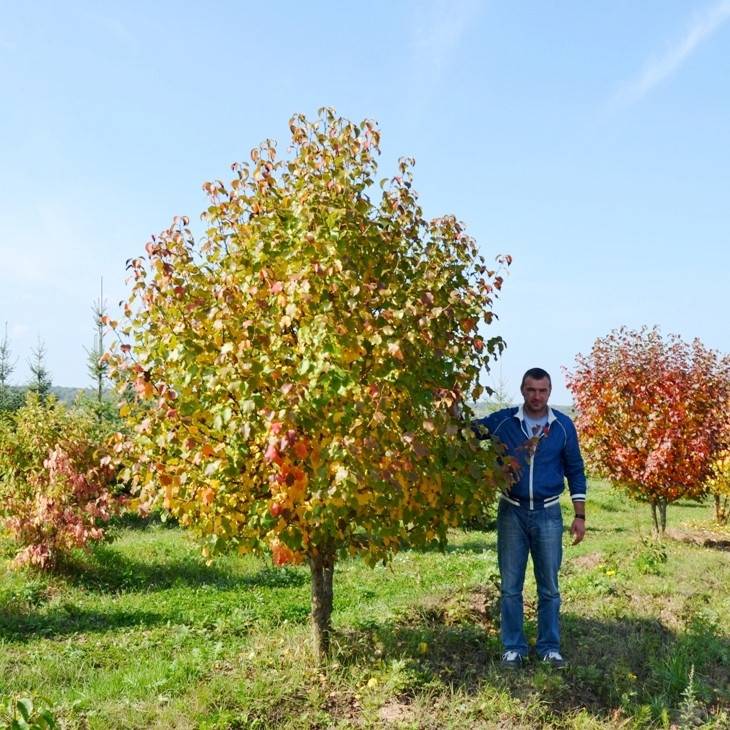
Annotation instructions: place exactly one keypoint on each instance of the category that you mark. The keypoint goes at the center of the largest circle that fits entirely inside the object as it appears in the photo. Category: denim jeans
(538, 532)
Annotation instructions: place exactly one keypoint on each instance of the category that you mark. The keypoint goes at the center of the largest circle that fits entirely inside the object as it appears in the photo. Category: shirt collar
(520, 414)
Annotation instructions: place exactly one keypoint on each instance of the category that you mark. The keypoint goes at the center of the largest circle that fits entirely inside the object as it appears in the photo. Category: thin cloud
(658, 69)
(438, 33)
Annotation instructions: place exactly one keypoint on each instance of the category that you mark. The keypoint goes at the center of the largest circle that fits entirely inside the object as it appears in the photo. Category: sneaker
(555, 660)
(512, 660)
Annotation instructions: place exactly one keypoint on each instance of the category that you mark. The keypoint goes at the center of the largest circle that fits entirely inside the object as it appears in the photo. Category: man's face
(536, 394)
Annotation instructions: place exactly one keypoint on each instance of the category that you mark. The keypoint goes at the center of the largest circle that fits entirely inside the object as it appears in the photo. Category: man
(543, 446)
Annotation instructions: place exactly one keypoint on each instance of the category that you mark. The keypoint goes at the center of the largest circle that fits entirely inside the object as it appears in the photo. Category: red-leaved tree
(651, 413)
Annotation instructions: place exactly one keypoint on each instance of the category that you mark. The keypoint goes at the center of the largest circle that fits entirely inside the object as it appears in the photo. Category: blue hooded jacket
(544, 461)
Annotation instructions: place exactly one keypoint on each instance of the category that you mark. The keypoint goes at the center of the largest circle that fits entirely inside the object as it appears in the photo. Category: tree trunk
(655, 518)
(721, 512)
(322, 567)
(663, 515)
(659, 516)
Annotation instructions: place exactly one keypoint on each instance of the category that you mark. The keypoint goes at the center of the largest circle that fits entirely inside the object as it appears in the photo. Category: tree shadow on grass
(106, 570)
(478, 545)
(477, 542)
(131, 520)
(644, 661)
(685, 504)
(69, 619)
(614, 665)
(453, 639)
(591, 528)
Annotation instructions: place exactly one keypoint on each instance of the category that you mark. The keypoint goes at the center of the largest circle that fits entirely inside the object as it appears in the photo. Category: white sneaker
(512, 659)
(555, 659)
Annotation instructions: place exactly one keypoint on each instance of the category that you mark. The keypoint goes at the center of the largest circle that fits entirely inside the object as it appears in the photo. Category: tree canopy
(300, 377)
(652, 413)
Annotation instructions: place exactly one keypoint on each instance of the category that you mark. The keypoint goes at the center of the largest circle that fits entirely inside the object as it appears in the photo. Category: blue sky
(588, 140)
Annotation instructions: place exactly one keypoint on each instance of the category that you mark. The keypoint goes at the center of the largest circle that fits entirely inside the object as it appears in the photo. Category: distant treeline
(16, 393)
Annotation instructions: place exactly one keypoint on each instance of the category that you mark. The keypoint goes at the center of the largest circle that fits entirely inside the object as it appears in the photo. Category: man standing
(543, 446)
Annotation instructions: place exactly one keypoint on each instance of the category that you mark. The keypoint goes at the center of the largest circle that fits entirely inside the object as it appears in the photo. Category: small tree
(500, 396)
(297, 374)
(97, 365)
(10, 398)
(651, 412)
(40, 381)
(718, 485)
(7, 366)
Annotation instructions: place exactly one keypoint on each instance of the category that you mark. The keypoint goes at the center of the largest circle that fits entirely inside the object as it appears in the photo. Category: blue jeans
(539, 533)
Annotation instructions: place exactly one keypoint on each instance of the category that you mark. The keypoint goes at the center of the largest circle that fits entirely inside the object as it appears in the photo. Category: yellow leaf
(395, 351)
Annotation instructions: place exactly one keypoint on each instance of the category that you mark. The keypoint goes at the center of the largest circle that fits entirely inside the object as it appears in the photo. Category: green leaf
(25, 707)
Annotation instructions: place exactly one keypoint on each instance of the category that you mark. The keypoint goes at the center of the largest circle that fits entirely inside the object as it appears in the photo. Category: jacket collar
(520, 414)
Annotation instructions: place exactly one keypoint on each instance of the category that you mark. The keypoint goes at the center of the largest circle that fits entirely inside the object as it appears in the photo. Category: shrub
(11, 398)
(54, 480)
(652, 557)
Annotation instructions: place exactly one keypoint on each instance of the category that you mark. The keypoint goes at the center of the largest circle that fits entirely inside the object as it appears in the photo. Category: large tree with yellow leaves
(300, 378)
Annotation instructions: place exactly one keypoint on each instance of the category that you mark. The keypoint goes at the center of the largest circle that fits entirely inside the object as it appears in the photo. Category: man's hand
(578, 529)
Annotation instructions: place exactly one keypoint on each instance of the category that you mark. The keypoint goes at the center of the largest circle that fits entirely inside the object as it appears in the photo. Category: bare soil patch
(343, 705)
(395, 711)
(701, 537)
(587, 562)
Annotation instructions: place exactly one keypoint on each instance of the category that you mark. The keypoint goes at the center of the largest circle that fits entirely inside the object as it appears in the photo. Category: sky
(587, 140)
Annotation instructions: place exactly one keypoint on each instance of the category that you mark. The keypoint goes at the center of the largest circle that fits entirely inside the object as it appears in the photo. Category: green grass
(142, 634)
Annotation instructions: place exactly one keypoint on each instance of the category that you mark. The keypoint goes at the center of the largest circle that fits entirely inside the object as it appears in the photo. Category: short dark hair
(536, 374)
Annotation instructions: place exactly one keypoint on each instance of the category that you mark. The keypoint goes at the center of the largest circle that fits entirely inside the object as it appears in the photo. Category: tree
(651, 412)
(500, 396)
(7, 366)
(40, 381)
(10, 398)
(98, 367)
(718, 485)
(298, 374)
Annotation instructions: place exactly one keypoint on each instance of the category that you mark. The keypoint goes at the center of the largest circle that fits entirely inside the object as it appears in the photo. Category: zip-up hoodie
(543, 461)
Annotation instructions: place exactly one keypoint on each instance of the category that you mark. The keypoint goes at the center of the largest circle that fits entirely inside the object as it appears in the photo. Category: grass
(142, 634)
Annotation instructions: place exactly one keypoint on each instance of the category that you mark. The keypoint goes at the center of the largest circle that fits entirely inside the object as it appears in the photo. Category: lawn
(142, 634)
